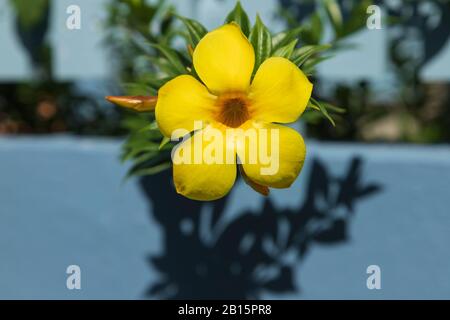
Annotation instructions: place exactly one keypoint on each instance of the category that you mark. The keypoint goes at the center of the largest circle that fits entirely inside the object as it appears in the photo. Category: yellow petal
(275, 158)
(181, 102)
(224, 59)
(203, 167)
(279, 92)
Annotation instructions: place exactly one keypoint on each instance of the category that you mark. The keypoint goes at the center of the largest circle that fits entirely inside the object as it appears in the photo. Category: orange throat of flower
(233, 109)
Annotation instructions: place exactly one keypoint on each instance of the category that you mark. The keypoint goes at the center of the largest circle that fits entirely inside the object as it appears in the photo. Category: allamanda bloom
(228, 99)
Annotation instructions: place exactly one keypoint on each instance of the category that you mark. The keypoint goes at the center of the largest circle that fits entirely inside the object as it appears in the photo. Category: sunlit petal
(275, 158)
(204, 168)
(224, 59)
(181, 102)
(279, 92)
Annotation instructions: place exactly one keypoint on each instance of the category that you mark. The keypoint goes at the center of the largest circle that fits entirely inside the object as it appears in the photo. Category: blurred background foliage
(44, 105)
(418, 31)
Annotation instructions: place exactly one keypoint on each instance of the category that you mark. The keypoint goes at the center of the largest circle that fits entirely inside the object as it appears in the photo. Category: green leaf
(323, 110)
(30, 13)
(135, 121)
(172, 57)
(334, 14)
(196, 30)
(261, 40)
(150, 163)
(148, 150)
(154, 81)
(137, 89)
(239, 16)
(139, 143)
(167, 19)
(285, 51)
(313, 29)
(328, 106)
(165, 68)
(313, 106)
(284, 38)
(317, 27)
(150, 170)
(164, 141)
(333, 108)
(309, 66)
(311, 116)
(316, 48)
(149, 127)
(357, 18)
(147, 153)
(301, 55)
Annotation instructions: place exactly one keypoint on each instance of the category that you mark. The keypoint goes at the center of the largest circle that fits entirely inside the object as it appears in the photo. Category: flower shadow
(205, 257)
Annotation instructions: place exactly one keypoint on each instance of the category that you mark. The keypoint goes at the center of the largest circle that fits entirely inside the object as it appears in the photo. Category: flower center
(232, 109)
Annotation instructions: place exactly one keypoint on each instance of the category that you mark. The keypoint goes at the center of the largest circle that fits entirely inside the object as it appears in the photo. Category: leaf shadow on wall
(205, 256)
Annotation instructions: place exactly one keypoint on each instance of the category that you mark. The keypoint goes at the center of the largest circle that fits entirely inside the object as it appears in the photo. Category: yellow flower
(227, 99)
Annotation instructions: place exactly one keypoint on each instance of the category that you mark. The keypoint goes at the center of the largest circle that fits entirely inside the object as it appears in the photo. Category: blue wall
(80, 54)
(62, 203)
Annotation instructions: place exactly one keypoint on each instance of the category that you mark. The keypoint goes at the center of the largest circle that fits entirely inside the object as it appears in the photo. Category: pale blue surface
(62, 203)
(80, 54)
